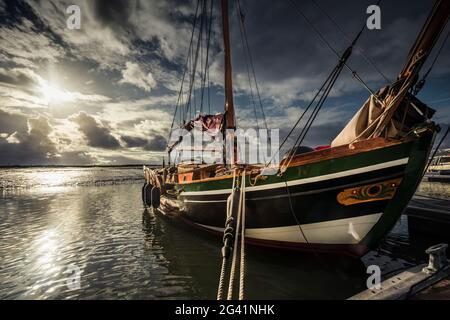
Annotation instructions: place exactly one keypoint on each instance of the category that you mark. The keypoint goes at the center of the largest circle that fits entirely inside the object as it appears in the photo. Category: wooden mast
(417, 56)
(229, 105)
(428, 36)
(230, 118)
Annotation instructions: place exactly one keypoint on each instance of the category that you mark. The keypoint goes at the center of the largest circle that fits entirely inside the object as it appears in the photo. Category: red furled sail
(210, 122)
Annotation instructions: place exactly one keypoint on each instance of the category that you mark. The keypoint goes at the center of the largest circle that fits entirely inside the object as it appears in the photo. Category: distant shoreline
(79, 166)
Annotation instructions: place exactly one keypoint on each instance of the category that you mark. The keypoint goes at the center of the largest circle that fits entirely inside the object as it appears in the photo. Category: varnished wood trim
(321, 155)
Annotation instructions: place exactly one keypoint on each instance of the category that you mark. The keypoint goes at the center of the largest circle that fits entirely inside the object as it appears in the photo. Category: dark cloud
(133, 142)
(155, 143)
(28, 142)
(29, 147)
(96, 135)
(10, 123)
(114, 13)
(291, 58)
(323, 134)
(320, 135)
(284, 45)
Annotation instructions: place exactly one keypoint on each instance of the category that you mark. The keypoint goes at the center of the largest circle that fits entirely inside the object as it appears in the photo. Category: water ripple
(51, 228)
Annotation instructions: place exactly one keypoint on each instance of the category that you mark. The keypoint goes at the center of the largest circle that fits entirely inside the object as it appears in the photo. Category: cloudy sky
(105, 94)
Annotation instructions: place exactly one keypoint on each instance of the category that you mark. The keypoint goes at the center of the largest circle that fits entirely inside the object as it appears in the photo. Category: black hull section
(311, 203)
(344, 203)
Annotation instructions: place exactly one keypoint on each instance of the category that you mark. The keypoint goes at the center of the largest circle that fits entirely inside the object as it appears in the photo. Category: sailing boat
(344, 198)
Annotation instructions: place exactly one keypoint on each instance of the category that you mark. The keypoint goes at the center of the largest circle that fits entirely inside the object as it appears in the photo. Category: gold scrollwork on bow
(372, 192)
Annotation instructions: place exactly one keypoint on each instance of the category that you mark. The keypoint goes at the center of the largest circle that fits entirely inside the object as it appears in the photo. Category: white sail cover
(364, 123)
(384, 115)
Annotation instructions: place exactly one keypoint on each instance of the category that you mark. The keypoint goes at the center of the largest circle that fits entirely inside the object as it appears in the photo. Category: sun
(52, 93)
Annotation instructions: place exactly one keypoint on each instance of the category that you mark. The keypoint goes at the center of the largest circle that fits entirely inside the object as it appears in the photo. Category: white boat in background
(439, 170)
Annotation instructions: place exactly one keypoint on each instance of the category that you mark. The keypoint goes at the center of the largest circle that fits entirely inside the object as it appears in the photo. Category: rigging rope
(300, 118)
(293, 213)
(436, 150)
(328, 84)
(194, 69)
(180, 94)
(209, 94)
(369, 61)
(252, 67)
(320, 35)
(421, 83)
(239, 17)
(206, 72)
(302, 135)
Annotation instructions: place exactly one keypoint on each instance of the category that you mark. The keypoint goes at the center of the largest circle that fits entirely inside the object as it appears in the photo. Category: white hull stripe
(305, 180)
(342, 231)
(297, 193)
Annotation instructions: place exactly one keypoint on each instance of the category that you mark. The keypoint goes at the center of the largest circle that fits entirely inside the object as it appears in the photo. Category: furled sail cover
(365, 123)
(210, 122)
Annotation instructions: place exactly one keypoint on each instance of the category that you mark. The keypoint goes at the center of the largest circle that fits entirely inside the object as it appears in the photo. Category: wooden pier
(429, 215)
(421, 282)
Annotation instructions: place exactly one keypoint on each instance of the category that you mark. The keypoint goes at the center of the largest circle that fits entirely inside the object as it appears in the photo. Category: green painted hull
(306, 195)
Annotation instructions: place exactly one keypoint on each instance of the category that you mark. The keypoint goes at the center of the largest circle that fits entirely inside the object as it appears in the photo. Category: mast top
(427, 38)
(230, 118)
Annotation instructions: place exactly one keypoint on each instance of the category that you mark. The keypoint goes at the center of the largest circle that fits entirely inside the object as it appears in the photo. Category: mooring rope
(240, 227)
(223, 270)
(242, 266)
(227, 236)
(235, 246)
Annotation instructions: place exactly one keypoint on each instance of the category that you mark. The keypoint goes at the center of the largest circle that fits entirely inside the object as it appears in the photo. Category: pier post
(437, 258)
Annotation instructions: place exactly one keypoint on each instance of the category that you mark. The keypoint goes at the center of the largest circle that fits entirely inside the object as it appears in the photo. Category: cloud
(134, 75)
(119, 160)
(113, 30)
(155, 143)
(133, 142)
(77, 96)
(109, 12)
(29, 147)
(94, 41)
(32, 141)
(24, 44)
(10, 123)
(97, 136)
(20, 77)
(126, 49)
(76, 158)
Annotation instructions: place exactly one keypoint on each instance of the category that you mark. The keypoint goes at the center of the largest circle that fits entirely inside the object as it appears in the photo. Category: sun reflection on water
(56, 178)
(46, 249)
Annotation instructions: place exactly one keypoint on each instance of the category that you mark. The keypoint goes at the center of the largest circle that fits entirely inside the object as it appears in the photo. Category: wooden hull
(344, 203)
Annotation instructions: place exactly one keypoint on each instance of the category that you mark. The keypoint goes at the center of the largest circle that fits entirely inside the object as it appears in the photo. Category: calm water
(56, 222)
